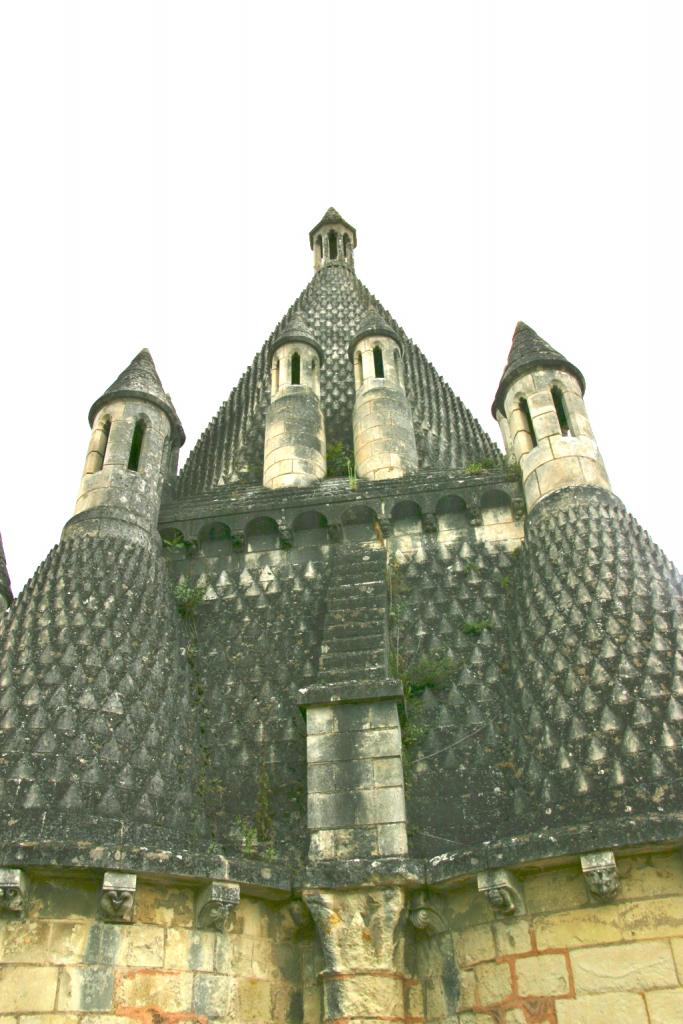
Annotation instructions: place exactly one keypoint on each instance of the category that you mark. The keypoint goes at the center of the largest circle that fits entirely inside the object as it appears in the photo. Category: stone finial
(215, 903)
(502, 890)
(600, 874)
(423, 916)
(117, 897)
(13, 891)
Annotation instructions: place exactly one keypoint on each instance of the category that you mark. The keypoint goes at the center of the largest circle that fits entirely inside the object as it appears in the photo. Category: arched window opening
(136, 446)
(99, 446)
(332, 240)
(296, 368)
(319, 243)
(558, 400)
(397, 366)
(379, 361)
(524, 409)
(277, 374)
(346, 246)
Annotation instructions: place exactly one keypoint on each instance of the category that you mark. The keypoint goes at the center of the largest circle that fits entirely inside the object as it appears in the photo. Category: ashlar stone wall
(60, 965)
(569, 958)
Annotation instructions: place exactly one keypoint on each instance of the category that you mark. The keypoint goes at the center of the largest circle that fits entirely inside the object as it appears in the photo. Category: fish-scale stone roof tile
(97, 734)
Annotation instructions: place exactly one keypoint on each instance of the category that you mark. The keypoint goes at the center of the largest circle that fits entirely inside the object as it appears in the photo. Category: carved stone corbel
(116, 902)
(502, 890)
(600, 874)
(215, 903)
(13, 892)
(423, 916)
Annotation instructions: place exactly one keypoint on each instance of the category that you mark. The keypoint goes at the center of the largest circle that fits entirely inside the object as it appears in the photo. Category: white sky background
(161, 164)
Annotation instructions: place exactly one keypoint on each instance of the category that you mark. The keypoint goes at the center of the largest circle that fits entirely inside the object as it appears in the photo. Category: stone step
(340, 675)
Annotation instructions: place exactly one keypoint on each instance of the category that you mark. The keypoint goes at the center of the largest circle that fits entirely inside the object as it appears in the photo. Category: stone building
(354, 718)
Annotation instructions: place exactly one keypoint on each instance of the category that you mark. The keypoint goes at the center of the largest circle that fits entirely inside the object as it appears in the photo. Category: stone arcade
(356, 717)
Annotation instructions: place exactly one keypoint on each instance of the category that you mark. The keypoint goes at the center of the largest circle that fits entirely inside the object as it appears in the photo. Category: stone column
(362, 939)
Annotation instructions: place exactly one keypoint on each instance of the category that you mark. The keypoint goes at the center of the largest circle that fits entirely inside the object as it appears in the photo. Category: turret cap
(373, 325)
(530, 352)
(296, 329)
(331, 217)
(141, 380)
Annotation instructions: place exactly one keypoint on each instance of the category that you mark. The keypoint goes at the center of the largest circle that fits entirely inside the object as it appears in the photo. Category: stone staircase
(354, 644)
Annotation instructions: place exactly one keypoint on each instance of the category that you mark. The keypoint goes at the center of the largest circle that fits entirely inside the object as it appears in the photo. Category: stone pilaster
(361, 935)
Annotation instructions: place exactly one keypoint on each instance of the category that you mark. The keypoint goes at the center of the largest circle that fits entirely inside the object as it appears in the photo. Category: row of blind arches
(359, 523)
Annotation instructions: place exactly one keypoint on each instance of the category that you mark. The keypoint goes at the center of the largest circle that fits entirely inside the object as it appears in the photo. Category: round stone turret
(332, 240)
(540, 410)
(383, 432)
(295, 452)
(136, 435)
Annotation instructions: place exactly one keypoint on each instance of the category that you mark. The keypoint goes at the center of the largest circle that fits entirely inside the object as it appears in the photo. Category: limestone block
(86, 988)
(560, 473)
(538, 456)
(613, 923)
(144, 987)
(540, 403)
(474, 945)
(392, 840)
(544, 975)
(142, 946)
(362, 996)
(614, 1008)
(515, 1017)
(633, 966)
(512, 936)
(253, 1000)
(532, 492)
(665, 1007)
(594, 473)
(468, 990)
(523, 387)
(24, 941)
(213, 996)
(187, 950)
(162, 905)
(28, 989)
(494, 983)
(657, 875)
(546, 425)
(67, 943)
(568, 446)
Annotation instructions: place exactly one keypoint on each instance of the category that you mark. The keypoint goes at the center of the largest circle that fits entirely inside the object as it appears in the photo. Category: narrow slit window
(136, 446)
(319, 243)
(277, 374)
(346, 246)
(332, 240)
(397, 365)
(296, 368)
(379, 361)
(560, 409)
(524, 409)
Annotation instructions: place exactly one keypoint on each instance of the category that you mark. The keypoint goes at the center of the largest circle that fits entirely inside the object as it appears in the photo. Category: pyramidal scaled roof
(334, 306)
(141, 380)
(530, 352)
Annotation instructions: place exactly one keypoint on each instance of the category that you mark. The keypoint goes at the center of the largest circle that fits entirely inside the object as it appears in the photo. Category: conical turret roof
(141, 380)
(373, 323)
(530, 352)
(296, 329)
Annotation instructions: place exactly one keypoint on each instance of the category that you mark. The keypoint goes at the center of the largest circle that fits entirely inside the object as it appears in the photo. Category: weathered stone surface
(635, 966)
(603, 1009)
(544, 975)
